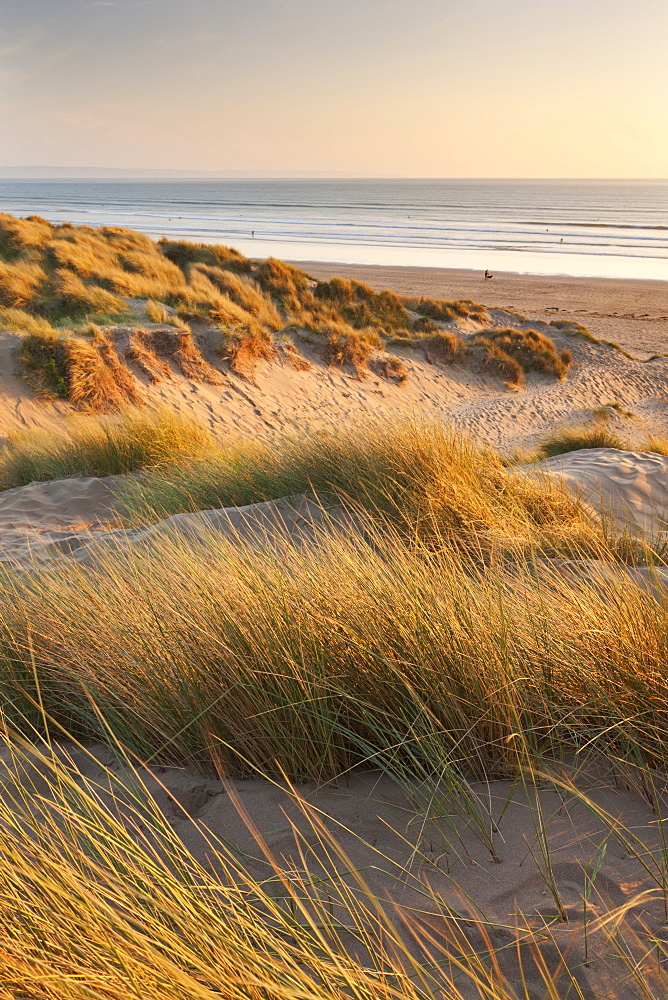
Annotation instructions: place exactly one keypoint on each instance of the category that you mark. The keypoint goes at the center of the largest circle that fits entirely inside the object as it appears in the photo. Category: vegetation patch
(244, 348)
(90, 375)
(446, 346)
(444, 311)
(345, 346)
(44, 361)
(389, 367)
(592, 435)
(532, 350)
(103, 446)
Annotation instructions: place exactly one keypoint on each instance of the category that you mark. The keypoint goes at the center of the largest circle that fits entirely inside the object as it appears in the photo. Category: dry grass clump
(531, 349)
(123, 377)
(446, 346)
(43, 358)
(191, 362)
(82, 250)
(289, 286)
(497, 362)
(345, 346)
(90, 375)
(244, 347)
(358, 305)
(142, 351)
(421, 477)
(20, 321)
(147, 346)
(157, 312)
(182, 253)
(202, 299)
(444, 311)
(22, 237)
(592, 435)
(245, 293)
(19, 282)
(103, 446)
(73, 298)
(289, 352)
(97, 379)
(389, 367)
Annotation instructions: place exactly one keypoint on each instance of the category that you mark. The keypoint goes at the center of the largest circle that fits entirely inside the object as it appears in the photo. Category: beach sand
(631, 313)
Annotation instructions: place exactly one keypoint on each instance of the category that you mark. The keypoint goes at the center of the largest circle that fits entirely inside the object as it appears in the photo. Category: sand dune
(631, 487)
(75, 517)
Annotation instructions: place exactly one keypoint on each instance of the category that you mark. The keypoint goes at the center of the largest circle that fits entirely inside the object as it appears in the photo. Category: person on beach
(488, 275)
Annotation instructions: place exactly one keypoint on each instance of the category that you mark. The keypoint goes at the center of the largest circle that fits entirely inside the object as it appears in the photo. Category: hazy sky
(434, 88)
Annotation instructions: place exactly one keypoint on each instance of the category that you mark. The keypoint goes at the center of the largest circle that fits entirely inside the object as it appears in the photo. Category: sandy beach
(632, 313)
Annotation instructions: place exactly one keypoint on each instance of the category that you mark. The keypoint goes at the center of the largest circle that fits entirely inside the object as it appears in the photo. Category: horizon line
(43, 172)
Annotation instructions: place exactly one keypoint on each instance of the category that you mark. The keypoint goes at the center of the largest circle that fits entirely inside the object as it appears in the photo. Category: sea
(609, 229)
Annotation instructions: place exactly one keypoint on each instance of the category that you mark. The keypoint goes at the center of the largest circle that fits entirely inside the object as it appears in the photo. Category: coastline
(631, 312)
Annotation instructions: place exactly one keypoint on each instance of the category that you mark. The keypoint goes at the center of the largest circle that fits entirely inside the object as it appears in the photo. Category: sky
(379, 88)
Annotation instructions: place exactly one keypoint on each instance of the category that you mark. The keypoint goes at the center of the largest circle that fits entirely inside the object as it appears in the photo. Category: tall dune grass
(99, 446)
(421, 476)
(310, 661)
(100, 899)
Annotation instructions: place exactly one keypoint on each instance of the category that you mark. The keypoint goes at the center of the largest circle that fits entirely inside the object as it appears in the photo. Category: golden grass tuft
(183, 253)
(445, 311)
(289, 286)
(92, 376)
(43, 359)
(245, 348)
(73, 298)
(22, 237)
(19, 283)
(104, 446)
(245, 293)
(531, 349)
(20, 321)
(446, 346)
(156, 312)
(496, 361)
(346, 346)
(142, 351)
(431, 638)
